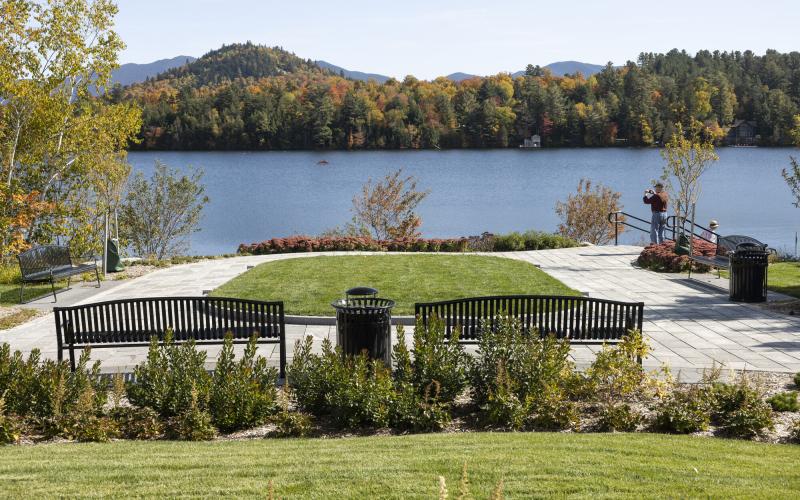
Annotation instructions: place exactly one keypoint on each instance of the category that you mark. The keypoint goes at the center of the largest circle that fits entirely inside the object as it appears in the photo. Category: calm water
(260, 195)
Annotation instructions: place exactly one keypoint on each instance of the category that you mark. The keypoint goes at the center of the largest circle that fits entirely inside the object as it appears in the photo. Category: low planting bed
(308, 285)
(512, 381)
(487, 242)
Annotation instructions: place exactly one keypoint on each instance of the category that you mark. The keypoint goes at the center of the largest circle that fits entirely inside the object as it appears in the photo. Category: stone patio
(690, 325)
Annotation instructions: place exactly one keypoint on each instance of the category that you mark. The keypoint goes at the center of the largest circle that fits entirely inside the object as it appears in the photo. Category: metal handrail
(620, 218)
(674, 224)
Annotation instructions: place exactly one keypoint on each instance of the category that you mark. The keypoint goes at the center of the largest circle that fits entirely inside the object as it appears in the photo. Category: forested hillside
(252, 97)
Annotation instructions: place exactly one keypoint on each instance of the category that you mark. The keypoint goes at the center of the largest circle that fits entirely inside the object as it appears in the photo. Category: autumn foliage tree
(584, 215)
(55, 134)
(386, 209)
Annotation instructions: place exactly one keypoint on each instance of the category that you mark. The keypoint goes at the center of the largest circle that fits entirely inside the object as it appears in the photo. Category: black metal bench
(134, 322)
(581, 320)
(725, 245)
(51, 263)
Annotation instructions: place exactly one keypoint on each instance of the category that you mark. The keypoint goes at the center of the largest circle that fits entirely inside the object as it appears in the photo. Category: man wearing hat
(657, 200)
(710, 234)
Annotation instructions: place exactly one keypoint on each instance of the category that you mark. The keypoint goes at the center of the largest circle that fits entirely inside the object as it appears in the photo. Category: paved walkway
(690, 325)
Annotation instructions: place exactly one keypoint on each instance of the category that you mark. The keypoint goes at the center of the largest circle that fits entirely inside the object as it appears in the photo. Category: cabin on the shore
(742, 133)
(534, 142)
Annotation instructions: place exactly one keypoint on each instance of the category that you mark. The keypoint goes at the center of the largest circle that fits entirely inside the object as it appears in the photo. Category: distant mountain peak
(131, 73)
(353, 75)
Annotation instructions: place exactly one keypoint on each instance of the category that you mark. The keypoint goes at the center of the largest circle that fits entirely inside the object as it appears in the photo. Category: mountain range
(131, 73)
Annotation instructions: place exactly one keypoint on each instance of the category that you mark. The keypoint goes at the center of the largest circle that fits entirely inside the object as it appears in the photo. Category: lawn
(784, 277)
(308, 285)
(529, 464)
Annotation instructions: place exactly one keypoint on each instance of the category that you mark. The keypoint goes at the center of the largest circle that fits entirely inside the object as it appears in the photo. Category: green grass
(529, 464)
(10, 280)
(308, 285)
(784, 277)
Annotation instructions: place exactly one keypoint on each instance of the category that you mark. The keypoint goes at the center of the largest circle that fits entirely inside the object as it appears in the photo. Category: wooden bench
(51, 263)
(724, 247)
(581, 320)
(134, 322)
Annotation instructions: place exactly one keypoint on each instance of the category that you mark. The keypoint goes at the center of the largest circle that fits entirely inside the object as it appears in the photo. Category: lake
(260, 195)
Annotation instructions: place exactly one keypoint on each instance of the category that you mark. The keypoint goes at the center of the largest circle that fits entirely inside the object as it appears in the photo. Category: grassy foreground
(784, 277)
(529, 464)
(307, 285)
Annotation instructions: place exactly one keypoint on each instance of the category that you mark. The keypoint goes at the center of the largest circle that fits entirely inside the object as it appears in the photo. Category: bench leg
(21, 292)
(97, 276)
(53, 286)
(72, 358)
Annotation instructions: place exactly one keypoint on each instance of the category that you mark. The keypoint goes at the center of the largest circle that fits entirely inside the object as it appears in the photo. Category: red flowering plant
(662, 257)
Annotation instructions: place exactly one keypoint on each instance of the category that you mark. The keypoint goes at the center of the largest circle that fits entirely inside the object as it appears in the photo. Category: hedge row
(529, 240)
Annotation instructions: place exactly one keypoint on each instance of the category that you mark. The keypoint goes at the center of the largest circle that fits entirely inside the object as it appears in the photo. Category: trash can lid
(363, 305)
(362, 290)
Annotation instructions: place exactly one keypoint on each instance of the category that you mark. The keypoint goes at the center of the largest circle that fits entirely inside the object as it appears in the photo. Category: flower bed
(662, 257)
(514, 382)
(529, 240)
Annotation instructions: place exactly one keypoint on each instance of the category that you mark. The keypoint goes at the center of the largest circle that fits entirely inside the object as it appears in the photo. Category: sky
(438, 37)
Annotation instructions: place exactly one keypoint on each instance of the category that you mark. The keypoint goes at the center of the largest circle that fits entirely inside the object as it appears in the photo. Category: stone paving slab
(690, 325)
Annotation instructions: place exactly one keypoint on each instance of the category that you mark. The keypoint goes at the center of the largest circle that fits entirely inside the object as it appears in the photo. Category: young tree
(584, 216)
(792, 176)
(158, 216)
(687, 159)
(385, 209)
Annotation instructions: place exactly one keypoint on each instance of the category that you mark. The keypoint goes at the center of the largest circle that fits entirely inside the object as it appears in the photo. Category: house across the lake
(742, 133)
(534, 142)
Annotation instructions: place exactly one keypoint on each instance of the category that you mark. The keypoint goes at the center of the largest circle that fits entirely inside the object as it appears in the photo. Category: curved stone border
(291, 319)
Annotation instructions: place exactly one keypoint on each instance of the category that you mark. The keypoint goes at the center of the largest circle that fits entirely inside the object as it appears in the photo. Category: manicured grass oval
(307, 285)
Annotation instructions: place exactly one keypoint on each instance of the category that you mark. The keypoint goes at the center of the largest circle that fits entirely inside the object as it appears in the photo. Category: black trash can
(748, 281)
(364, 323)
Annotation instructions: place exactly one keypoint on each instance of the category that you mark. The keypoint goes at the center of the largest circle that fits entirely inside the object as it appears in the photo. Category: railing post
(616, 228)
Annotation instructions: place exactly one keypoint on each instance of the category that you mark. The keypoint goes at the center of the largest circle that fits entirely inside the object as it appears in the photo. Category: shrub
(437, 359)
(784, 401)
(291, 424)
(85, 422)
(619, 418)
(739, 409)
(520, 379)
(138, 423)
(312, 376)
(10, 428)
(797, 379)
(243, 392)
(794, 431)
(193, 423)
(615, 374)
(509, 242)
(584, 216)
(169, 377)
(354, 390)
(531, 361)
(419, 412)
(362, 392)
(662, 257)
(41, 389)
(683, 412)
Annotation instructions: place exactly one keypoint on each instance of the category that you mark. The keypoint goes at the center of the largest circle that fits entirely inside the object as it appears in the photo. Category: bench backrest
(727, 244)
(43, 258)
(574, 318)
(135, 321)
